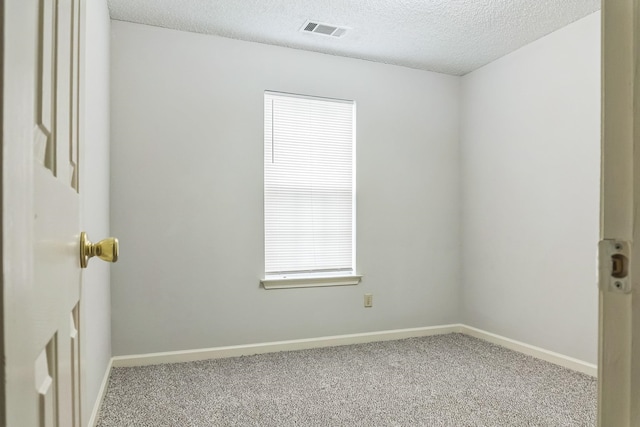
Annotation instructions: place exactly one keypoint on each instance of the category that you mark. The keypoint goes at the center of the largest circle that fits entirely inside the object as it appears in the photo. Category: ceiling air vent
(323, 29)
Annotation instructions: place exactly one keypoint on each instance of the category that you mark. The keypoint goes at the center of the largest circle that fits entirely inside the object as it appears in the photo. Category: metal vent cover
(324, 29)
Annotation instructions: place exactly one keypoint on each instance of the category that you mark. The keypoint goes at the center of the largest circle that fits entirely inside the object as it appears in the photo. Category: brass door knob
(106, 250)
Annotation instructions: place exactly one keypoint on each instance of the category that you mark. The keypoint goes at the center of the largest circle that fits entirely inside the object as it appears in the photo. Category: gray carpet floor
(446, 380)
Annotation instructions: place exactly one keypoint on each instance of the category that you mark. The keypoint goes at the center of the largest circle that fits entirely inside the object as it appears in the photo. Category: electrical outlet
(368, 300)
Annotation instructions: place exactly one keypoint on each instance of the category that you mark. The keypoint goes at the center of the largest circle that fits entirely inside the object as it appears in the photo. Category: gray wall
(530, 137)
(518, 190)
(95, 326)
(186, 193)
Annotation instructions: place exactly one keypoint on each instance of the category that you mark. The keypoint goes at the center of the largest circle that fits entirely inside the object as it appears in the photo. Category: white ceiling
(448, 36)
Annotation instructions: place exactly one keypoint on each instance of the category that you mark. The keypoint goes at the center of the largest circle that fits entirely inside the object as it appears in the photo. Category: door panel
(45, 92)
(41, 145)
(46, 385)
(74, 329)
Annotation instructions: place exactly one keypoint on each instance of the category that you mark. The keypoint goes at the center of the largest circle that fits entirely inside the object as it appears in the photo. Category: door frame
(619, 301)
(3, 411)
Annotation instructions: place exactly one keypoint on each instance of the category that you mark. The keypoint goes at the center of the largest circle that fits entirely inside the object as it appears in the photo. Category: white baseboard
(537, 352)
(338, 340)
(333, 341)
(272, 347)
(101, 392)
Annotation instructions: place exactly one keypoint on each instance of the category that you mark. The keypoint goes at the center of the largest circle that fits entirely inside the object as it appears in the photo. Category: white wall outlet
(368, 300)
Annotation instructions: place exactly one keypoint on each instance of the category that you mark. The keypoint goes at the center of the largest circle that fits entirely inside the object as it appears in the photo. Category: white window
(309, 174)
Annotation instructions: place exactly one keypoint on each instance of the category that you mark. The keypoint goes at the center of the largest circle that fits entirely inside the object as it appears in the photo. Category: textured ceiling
(448, 36)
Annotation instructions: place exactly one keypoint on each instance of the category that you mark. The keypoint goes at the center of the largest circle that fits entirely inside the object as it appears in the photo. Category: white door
(619, 355)
(40, 216)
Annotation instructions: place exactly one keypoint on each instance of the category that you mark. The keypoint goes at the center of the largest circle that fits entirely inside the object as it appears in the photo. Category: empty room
(324, 213)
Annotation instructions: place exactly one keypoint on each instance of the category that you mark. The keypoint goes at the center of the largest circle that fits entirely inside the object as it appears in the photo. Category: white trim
(537, 352)
(272, 347)
(310, 282)
(93, 419)
(338, 340)
(619, 313)
(333, 341)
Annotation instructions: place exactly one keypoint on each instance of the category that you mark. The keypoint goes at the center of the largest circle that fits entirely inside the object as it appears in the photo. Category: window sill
(310, 282)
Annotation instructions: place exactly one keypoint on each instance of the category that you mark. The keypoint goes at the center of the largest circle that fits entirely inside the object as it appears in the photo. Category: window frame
(314, 278)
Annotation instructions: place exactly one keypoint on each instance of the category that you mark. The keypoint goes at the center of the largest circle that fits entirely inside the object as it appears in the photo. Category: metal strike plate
(613, 266)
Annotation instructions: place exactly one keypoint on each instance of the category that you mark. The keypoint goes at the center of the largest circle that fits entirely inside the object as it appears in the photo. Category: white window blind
(308, 184)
